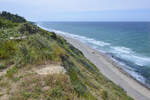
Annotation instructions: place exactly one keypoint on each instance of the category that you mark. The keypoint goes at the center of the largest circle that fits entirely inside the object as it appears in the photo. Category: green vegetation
(11, 72)
(2, 66)
(6, 23)
(24, 46)
(12, 17)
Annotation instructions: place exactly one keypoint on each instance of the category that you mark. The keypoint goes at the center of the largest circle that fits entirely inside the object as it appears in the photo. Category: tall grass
(7, 48)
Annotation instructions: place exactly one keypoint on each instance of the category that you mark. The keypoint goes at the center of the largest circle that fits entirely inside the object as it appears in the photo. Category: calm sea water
(127, 42)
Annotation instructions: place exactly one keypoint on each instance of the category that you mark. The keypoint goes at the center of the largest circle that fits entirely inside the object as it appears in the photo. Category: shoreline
(118, 66)
(111, 70)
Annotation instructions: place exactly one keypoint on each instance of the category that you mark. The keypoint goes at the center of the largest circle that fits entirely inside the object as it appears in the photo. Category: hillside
(39, 65)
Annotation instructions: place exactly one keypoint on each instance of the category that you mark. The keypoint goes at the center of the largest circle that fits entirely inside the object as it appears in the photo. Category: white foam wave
(131, 71)
(122, 50)
(140, 60)
(137, 76)
(81, 38)
(128, 54)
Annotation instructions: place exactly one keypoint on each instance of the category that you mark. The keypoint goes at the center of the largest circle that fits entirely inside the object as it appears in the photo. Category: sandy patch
(50, 69)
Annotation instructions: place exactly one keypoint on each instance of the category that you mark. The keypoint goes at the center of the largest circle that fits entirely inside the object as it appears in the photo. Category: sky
(79, 10)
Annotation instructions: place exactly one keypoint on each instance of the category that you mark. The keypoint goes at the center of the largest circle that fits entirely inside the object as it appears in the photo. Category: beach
(111, 70)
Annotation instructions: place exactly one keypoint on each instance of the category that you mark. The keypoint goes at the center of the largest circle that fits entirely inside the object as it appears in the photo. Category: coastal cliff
(39, 65)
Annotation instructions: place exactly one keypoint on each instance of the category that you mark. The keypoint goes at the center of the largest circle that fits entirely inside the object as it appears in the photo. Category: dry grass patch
(45, 87)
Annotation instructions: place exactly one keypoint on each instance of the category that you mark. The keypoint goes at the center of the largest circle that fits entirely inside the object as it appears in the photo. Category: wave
(79, 37)
(123, 50)
(128, 54)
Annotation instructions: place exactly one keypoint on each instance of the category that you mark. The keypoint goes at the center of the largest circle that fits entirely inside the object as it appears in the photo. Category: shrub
(57, 92)
(104, 95)
(26, 94)
(6, 23)
(2, 66)
(7, 48)
(57, 52)
(12, 17)
(10, 72)
(28, 28)
(53, 35)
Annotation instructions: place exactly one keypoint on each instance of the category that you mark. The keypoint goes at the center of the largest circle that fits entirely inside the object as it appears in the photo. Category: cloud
(34, 8)
(82, 5)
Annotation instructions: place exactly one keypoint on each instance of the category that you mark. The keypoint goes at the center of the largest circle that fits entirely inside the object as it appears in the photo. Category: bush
(2, 66)
(57, 92)
(12, 17)
(6, 23)
(7, 49)
(26, 94)
(10, 72)
(53, 35)
(28, 28)
(57, 52)
(104, 95)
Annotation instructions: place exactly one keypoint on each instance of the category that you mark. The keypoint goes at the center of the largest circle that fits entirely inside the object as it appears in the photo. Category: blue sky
(79, 10)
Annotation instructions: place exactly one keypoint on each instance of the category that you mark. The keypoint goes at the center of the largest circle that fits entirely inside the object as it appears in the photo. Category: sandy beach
(111, 71)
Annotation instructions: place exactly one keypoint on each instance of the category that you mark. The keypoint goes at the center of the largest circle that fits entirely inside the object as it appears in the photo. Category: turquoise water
(127, 42)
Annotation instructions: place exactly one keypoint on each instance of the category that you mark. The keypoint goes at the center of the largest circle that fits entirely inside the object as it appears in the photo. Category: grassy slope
(82, 81)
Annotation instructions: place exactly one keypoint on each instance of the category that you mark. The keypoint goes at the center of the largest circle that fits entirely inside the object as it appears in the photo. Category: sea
(128, 43)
